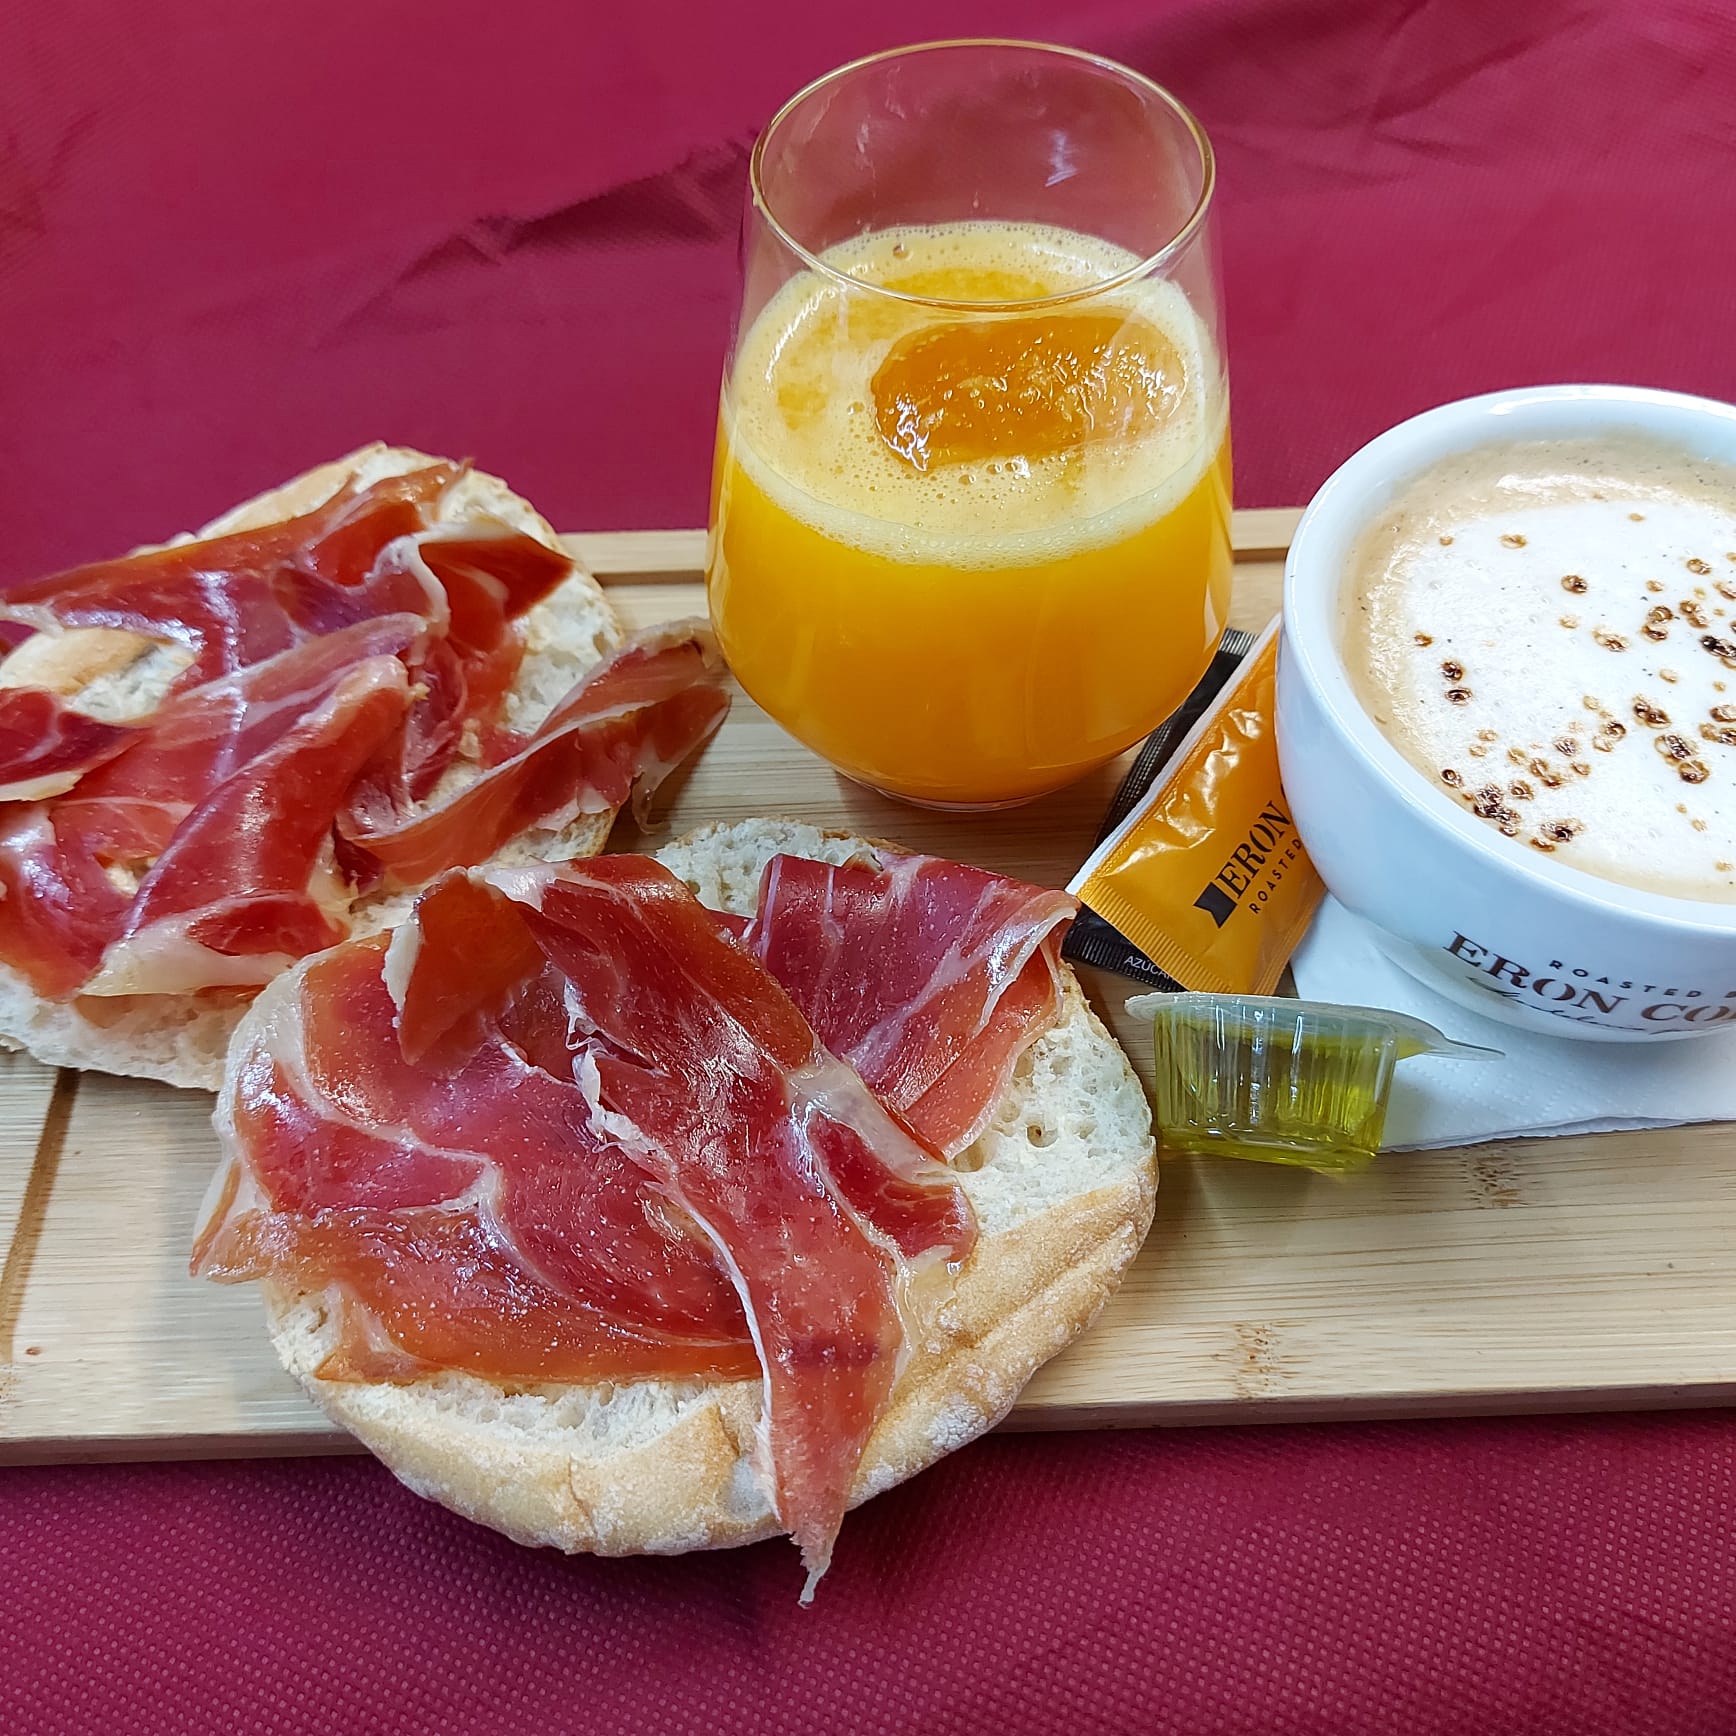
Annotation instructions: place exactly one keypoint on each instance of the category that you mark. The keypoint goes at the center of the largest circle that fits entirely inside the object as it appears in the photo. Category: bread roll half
(117, 675)
(1063, 1185)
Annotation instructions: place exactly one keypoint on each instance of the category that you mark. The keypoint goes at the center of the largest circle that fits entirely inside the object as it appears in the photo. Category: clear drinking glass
(970, 526)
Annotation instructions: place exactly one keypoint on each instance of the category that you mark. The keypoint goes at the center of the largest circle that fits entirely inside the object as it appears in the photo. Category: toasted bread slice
(1063, 1184)
(117, 675)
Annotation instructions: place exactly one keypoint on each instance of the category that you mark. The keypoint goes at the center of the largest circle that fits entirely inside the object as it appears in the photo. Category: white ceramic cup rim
(1313, 581)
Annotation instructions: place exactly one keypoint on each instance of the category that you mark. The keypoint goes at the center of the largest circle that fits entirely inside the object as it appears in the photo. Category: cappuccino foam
(1547, 632)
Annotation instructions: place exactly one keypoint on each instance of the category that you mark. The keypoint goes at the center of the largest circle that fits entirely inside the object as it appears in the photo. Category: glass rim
(1153, 262)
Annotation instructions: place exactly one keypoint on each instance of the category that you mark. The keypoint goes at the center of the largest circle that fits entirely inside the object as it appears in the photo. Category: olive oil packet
(1199, 881)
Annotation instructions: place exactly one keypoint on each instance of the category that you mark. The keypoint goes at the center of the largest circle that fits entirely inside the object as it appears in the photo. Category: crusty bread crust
(178, 1039)
(1063, 1183)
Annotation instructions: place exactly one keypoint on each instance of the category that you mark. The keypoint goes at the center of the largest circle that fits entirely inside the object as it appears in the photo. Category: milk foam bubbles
(1547, 632)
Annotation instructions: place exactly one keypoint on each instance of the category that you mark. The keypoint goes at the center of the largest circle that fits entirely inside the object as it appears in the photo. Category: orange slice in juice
(1031, 387)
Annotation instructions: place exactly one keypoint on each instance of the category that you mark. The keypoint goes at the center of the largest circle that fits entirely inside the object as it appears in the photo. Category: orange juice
(968, 556)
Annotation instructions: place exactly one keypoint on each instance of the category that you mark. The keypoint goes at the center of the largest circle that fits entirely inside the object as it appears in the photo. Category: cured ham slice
(488, 583)
(491, 578)
(929, 977)
(68, 868)
(617, 735)
(567, 1127)
(711, 1080)
(45, 747)
(464, 1218)
(238, 599)
(58, 907)
(208, 842)
(230, 900)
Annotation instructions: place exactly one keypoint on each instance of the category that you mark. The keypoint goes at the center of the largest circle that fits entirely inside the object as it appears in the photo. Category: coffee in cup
(1576, 705)
(1546, 630)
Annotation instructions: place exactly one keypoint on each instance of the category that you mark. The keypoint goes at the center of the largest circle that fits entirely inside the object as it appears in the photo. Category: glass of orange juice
(970, 525)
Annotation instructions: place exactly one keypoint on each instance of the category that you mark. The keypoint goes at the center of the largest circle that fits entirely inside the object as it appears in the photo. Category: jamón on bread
(117, 676)
(1061, 1183)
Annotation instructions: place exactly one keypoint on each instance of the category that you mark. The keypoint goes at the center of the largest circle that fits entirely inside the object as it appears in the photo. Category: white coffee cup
(1524, 939)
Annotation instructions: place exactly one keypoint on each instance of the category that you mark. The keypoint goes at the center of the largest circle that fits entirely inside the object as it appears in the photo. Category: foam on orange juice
(966, 559)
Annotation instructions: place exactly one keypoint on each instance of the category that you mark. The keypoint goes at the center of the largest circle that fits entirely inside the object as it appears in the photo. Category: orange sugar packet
(1204, 883)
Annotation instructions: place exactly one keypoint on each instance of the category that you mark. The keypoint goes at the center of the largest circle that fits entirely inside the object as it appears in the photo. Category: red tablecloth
(236, 239)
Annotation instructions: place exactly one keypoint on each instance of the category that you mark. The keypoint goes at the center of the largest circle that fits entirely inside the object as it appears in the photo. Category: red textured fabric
(236, 239)
(1538, 1578)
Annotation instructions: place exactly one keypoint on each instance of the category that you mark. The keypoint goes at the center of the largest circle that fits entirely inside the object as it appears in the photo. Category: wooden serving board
(1579, 1273)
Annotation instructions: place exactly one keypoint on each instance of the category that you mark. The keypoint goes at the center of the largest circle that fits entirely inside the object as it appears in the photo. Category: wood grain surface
(1588, 1272)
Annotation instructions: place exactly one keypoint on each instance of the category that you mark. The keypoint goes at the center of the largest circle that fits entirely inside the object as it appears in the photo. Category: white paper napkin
(1541, 1085)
